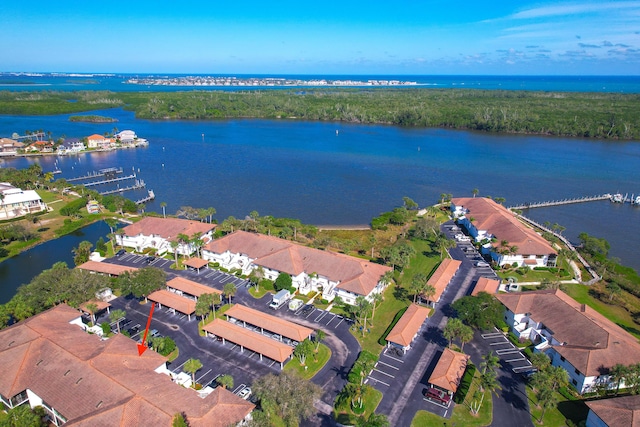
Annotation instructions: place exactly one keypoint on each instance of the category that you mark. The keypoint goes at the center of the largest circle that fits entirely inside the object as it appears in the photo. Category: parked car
(307, 309)
(153, 333)
(121, 252)
(482, 264)
(149, 259)
(245, 393)
(438, 395)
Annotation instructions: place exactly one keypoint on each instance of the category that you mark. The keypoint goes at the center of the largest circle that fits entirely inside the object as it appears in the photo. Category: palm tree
(320, 335)
(546, 399)
(92, 307)
(229, 291)
(116, 315)
(417, 285)
(202, 307)
(618, 373)
(475, 192)
(364, 309)
(111, 223)
(216, 299)
(174, 247)
(183, 240)
(376, 299)
(465, 334)
(225, 381)
(192, 366)
(491, 361)
(427, 292)
(163, 205)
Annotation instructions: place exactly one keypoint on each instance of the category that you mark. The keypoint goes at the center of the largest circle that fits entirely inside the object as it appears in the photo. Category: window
(562, 358)
(577, 372)
(574, 382)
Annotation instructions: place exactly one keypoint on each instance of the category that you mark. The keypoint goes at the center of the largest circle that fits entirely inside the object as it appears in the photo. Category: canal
(25, 266)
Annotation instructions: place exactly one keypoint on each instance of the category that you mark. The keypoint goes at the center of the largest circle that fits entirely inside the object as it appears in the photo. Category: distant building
(158, 233)
(331, 274)
(10, 147)
(99, 142)
(15, 202)
(70, 146)
(502, 235)
(80, 379)
(575, 337)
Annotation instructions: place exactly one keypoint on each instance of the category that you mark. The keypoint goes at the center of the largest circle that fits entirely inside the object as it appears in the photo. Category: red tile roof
(442, 276)
(195, 262)
(503, 224)
(408, 325)
(487, 285)
(190, 287)
(250, 340)
(449, 370)
(105, 268)
(177, 302)
(353, 274)
(167, 228)
(270, 323)
(591, 342)
(93, 382)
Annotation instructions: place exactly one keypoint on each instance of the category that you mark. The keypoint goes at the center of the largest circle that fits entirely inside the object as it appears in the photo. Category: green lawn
(262, 291)
(424, 261)
(574, 410)
(383, 316)
(313, 366)
(615, 313)
(536, 275)
(345, 415)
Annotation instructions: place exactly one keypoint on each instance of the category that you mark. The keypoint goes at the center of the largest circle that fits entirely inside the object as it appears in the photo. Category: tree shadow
(42, 229)
(400, 293)
(512, 393)
(434, 334)
(574, 410)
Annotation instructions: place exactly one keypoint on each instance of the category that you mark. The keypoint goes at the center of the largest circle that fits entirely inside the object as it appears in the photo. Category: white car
(482, 264)
(245, 393)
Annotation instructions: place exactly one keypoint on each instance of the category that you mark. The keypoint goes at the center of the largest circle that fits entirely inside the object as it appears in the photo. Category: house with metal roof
(16, 202)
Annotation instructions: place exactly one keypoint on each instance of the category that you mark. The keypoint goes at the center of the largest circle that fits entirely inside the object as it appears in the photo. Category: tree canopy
(481, 312)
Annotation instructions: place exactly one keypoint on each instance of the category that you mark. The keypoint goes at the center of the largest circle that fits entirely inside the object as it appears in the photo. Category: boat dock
(110, 181)
(584, 199)
(150, 196)
(109, 172)
(137, 185)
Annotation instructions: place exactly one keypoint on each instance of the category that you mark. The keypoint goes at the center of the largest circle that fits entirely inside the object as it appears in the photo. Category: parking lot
(386, 369)
(507, 352)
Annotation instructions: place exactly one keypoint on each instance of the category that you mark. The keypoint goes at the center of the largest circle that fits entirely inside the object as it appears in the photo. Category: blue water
(25, 266)
(115, 82)
(305, 170)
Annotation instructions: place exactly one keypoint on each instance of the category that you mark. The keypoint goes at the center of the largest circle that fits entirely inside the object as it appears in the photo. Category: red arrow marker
(143, 347)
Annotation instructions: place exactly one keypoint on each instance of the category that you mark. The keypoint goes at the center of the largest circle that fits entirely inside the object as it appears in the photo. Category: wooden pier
(110, 181)
(137, 185)
(150, 196)
(97, 174)
(562, 202)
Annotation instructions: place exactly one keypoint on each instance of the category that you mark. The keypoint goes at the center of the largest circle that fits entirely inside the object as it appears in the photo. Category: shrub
(465, 384)
(354, 373)
(106, 328)
(73, 207)
(383, 339)
(283, 281)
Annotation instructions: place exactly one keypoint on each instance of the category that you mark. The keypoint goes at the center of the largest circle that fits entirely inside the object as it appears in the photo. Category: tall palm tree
(376, 299)
(192, 366)
(229, 291)
(618, 373)
(116, 315)
(163, 205)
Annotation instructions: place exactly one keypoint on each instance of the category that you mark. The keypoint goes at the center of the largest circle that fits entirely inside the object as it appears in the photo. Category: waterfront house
(71, 146)
(574, 336)
(331, 274)
(16, 202)
(10, 147)
(501, 235)
(78, 378)
(158, 233)
(126, 136)
(99, 142)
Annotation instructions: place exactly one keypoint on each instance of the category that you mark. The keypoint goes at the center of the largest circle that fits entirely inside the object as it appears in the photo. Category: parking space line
(501, 343)
(515, 360)
(391, 366)
(509, 351)
(492, 335)
(311, 312)
(437, 404)
(341, 320)
(391, 357)
(383, 373)
(179, 366)
(334, 316)
(378, 381)
(202, 376)
(324, 313)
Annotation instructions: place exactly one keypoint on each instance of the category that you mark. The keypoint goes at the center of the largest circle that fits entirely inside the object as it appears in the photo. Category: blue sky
(329, 37)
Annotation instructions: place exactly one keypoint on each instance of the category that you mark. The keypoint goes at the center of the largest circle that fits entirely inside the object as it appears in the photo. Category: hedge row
(465, 384)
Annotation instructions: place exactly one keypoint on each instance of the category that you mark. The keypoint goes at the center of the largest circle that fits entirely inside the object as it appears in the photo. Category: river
(344, 174)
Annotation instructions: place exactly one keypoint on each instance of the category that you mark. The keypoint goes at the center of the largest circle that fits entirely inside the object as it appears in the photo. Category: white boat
(636, 201)
(616, 198)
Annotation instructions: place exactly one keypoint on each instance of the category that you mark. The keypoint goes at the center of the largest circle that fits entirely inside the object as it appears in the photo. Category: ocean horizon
(70, 81)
